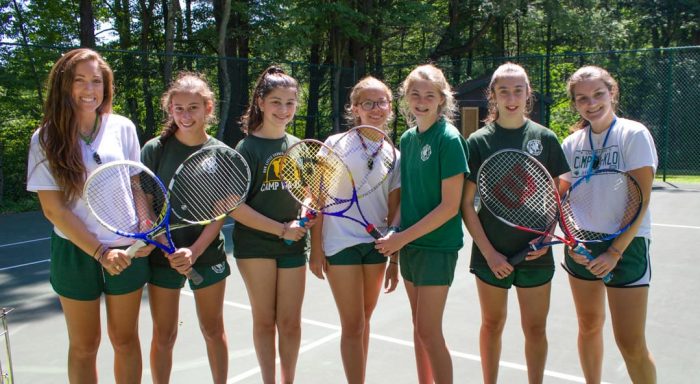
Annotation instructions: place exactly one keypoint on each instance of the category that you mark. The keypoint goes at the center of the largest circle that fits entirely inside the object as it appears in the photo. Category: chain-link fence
(659, 87)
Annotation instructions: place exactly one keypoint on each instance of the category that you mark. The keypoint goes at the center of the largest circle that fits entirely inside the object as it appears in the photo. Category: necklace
(371, 156)
(90, 138)
(595, 161)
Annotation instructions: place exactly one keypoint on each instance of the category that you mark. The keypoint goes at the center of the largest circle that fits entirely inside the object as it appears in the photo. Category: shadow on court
(39, 340)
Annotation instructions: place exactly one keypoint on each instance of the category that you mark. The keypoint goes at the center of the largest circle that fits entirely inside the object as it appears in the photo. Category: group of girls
(424, 211)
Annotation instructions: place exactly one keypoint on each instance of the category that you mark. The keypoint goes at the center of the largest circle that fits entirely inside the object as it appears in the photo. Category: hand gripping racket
(131, 201)
(333, 179)
(518, 190)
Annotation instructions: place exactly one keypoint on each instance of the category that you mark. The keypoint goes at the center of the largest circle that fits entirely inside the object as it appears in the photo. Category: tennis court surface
(39, 339)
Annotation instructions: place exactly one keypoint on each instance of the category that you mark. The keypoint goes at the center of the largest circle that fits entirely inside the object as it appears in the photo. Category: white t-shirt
(116, 140)
(340, 233)
(629, 146)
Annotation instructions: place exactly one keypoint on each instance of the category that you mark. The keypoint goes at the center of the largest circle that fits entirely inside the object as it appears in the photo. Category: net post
(6, 377)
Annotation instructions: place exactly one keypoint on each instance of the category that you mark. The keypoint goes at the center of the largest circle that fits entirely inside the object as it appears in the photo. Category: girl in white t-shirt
(346, 252)
(77, 134)
(602, 140)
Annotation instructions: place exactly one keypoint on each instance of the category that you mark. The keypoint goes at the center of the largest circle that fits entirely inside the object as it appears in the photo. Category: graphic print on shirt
(534, 147)
(425, 152)
(271, 180)
(608, 157)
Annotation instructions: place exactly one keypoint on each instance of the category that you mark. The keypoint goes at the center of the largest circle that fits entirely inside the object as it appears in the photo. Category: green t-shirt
(163, 158)
(268, 197)
(539, 142)
(427, 158)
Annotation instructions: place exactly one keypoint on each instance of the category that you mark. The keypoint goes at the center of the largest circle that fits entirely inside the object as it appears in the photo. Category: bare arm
(448, 207)
(253, 219)
(64, 219)
(497, 261)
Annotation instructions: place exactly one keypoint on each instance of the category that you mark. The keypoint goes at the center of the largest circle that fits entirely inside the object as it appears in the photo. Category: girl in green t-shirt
(274, 272)
(189, 106)
(507, 126)
(433, 167)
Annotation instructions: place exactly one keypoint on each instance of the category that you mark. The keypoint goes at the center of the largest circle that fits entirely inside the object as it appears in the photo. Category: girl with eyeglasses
(77, 134)
(603, 140)
(346, 253)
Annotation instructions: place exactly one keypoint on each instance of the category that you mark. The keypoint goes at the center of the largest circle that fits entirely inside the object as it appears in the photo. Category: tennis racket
(130, 200)
(519, 191)
(333, 179)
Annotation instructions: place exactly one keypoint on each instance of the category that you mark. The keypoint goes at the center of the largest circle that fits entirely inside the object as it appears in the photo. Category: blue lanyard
(595, 161)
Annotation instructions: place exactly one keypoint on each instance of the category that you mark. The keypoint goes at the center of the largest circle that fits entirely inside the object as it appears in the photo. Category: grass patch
(680, 179)
(22, 205)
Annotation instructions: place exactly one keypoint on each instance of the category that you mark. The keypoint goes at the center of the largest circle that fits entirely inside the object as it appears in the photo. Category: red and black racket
(519, 191)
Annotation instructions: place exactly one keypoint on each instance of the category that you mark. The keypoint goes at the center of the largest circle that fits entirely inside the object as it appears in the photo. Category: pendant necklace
(88, 139)
(370, 160)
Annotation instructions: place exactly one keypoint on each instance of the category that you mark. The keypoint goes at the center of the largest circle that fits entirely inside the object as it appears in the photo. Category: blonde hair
(366, 83)
(506, 70)
(59, 129)
(185, 82)
(429, 72)
(591, 72)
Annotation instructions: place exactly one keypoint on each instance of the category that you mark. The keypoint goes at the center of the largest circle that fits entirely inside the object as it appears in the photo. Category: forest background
(651, 46)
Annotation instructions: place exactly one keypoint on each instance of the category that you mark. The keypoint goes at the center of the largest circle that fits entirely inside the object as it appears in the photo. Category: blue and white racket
(130, 200)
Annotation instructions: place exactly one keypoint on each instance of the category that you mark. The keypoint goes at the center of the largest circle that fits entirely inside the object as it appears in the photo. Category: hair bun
(274, 70)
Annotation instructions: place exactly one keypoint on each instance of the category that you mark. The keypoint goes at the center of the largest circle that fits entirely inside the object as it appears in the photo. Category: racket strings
(316, 177)
(519, 190)
(209, 185)
(601, 207)
(125, 197)
(369, 154)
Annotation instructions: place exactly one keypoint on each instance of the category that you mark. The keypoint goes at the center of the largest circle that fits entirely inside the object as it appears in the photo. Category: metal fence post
(6, 377)
(667, 112)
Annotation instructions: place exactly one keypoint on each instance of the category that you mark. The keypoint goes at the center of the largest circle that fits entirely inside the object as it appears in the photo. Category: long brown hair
(366, 83)
(272, 78)
(446, 110)
(591, 72)
(506, 70)
(58, 135)
(185, 82)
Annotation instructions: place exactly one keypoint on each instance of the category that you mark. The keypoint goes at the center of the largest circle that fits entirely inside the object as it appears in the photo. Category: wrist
(100, 253)
(614, 251)
(285, 227)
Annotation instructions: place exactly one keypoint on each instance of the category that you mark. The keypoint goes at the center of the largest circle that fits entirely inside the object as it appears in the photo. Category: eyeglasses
(97, 158)
(369, 105)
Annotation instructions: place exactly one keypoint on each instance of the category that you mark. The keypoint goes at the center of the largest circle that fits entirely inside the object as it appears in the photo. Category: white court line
(24, 265)
(47, 238)
(674, 226)
(336, 334)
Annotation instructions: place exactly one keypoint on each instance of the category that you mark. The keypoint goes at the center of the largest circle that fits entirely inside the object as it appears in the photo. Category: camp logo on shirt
(534, 147)
(272, 181)
(426, 152)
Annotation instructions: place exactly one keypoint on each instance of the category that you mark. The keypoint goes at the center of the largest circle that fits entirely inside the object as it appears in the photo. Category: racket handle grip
(133, 248)
(302, 222)
(519, 257)
(580, 249)
(195, 277)
(372, 230)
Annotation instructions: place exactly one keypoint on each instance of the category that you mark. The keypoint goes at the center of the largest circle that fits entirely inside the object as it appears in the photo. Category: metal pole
(9, 377)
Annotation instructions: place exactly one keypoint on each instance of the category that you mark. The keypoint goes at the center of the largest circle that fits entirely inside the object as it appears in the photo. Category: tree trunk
(169, 16)
(122, 23)
(223, 9)
(146, 12)
(87, 24)
(315, 79)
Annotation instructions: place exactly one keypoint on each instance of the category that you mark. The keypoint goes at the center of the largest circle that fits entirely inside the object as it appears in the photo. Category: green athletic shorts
(633, 270)
(358, 254)
(76, 275)
(166, 277)
(427, 267)
(521, 277)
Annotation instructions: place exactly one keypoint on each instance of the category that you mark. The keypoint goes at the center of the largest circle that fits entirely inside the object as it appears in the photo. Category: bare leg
(83, 321)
